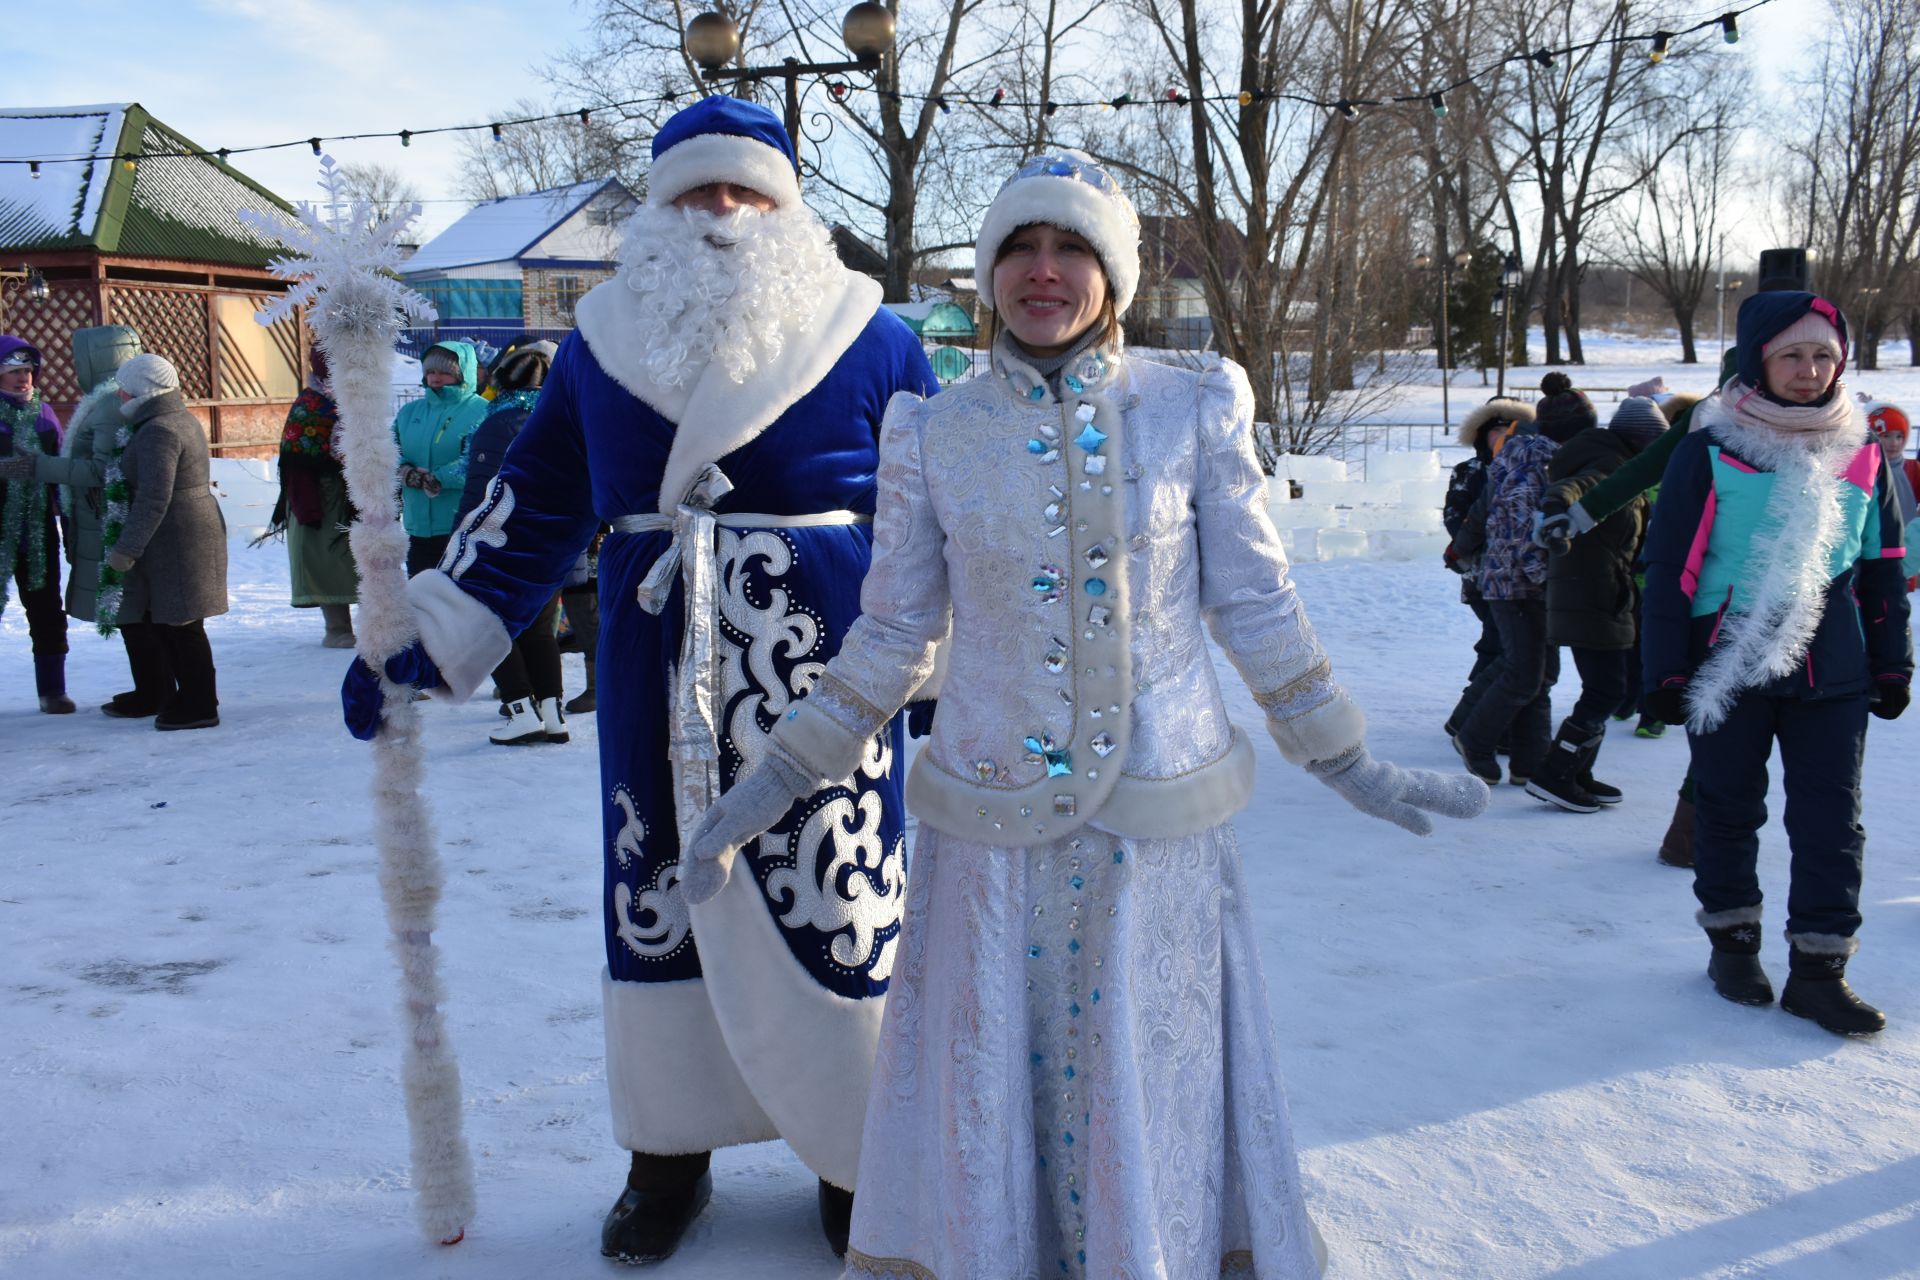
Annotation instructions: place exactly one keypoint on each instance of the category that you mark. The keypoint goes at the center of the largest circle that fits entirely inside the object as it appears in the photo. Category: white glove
(756, 801)
(1382, 790)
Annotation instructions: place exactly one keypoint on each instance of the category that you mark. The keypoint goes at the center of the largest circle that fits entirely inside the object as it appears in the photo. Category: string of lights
(1659, 42)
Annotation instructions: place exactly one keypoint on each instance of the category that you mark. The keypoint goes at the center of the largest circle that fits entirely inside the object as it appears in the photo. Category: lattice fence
(49, 326)
(172, 322)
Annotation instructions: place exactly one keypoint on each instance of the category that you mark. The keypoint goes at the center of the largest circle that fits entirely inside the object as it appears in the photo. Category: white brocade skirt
(1077, 1074)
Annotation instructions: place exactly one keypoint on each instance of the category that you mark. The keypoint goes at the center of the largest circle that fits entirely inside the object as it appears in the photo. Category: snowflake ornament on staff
(341, 254)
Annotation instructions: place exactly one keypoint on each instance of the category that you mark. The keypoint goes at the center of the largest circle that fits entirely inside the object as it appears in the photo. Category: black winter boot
(1485, 768)
(1735, 963)
(585, 702)
(1602, 792)
(664, 1195)
(836, 1216)
(1558, 781)
(1817, 989)
(50, 681)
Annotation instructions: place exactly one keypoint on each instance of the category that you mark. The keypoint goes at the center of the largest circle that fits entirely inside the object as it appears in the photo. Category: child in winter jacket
(1775, 609)
(1464, 515)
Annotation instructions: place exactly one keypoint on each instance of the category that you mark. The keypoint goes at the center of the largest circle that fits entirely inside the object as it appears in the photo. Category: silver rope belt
(693, 730)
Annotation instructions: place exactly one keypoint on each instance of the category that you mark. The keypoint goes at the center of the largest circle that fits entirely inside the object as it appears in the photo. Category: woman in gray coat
(166, 547)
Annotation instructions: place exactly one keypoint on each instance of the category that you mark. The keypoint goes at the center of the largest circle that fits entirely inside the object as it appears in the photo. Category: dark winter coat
(81, 465)
(174, 531)
(1591, 597)
(46, 430)
(1463, 500)
(488, 445)
(1514, 568)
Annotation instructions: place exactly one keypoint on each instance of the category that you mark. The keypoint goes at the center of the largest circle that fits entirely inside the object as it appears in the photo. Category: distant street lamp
(29, 282)
(1509, 281)
(1462, 260)
(712, 41)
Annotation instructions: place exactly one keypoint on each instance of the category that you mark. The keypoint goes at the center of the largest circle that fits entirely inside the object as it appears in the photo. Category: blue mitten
(361, 697)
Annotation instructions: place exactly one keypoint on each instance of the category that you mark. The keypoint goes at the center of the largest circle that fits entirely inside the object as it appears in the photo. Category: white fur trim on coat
(1166, 808)
(672, 1084)
(1072, 205)
(805, 1053)
(723, 157)
(723, 414)
(465, 639)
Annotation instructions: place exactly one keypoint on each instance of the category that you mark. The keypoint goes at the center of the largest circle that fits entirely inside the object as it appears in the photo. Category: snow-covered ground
(1503, 1056)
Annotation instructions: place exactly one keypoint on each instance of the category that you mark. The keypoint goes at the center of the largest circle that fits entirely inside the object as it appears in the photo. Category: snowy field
(1502, 1052)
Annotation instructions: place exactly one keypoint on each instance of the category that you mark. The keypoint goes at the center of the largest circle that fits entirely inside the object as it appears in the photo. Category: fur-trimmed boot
(1735, 963)
(836, 1217)
(584, 703)
(664, 1194)
(50, 681)
(339, 620)
(523, 727)
(1558, 780)
(1817, 986)
(1676, 847)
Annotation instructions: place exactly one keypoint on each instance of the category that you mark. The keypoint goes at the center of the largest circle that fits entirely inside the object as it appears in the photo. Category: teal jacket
(433, 433)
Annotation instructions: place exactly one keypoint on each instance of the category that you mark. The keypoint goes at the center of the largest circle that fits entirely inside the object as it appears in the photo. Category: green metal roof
(178, 207)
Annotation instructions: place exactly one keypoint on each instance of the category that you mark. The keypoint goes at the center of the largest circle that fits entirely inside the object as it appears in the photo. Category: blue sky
(237, 72)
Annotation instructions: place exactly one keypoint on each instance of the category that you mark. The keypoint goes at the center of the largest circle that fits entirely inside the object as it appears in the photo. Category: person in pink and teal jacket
(1776, 610)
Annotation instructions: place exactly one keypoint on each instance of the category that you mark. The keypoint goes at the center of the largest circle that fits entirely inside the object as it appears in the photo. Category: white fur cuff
(673, 1085)
(723, 157)
(1333, 727)
(824, 749)
(1824, 944)
(1727, 919)
(464, 638)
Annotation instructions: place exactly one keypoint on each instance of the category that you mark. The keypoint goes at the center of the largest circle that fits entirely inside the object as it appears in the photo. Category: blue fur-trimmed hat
(723, 139)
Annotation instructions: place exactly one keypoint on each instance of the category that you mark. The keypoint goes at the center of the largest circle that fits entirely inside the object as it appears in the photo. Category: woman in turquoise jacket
(1776, 611)
(433, 433)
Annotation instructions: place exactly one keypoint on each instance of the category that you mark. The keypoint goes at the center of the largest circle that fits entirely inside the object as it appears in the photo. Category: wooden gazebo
(153, 243)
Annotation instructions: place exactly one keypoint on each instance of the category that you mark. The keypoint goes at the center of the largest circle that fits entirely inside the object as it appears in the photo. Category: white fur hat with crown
(1068, 190)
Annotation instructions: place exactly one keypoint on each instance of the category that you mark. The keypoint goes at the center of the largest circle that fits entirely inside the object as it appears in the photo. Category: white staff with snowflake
(342, 255)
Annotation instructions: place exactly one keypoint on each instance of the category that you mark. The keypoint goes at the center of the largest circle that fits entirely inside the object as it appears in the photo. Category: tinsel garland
(106, 613)
(25, 513)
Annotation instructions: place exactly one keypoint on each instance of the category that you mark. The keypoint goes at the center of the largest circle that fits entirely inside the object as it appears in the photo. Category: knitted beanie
(1767, 318)
(1885, 419)
(147, 375)
(723, 139)
(1638, 421)
(1562, 412)
(440, 360)
(1068, 190)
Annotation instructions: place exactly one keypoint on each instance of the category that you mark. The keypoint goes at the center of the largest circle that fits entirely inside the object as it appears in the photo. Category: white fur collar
(1787, 566)
(715, 415)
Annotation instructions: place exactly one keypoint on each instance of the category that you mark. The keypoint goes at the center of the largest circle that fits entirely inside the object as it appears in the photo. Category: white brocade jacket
(1072, 546)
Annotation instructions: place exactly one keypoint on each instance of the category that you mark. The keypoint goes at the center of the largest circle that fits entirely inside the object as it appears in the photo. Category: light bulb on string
(1438, 103)
(1049, 108)
(33, 168)
(315, 144)
(1347, 109)
(586, 117)
(496, 132)
(1246, 98)
(1542, 56)
(406, 137)
(1660, 42)
(1730, 28)
(1124, 100)
(999, 96)
(940, 101)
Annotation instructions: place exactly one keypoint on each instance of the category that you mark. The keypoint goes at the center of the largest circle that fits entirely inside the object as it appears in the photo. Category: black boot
(1602, 792)
(1483, 767)
(1676, 847)
(664, 1195)
(50, 680)
(1817, 989)
(585, 702)
(1735, 964)
(836, 1216)
(1558, 781)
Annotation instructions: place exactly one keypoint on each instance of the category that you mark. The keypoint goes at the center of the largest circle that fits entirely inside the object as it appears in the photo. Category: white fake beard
(727, 289)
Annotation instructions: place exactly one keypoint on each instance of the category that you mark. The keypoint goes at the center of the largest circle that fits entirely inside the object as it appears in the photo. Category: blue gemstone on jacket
(1096, 586)
(1090, 438)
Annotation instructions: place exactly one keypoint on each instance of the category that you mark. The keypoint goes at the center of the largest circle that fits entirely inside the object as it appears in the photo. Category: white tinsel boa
(1783, 584)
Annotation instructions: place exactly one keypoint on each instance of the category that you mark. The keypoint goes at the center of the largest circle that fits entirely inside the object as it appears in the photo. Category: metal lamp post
(1509, 281)
(1721, 301)
(1462, 260)
(29, 282)
(712, 40)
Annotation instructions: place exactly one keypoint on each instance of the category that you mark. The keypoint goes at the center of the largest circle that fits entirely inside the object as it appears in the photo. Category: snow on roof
(913, 310)
(501, 230)
(64, 201)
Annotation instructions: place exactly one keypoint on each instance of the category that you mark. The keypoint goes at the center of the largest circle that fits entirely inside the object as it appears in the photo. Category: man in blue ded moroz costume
(718, 406)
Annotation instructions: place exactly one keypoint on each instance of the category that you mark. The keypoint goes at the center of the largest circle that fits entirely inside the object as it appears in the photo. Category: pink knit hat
(1811, 327)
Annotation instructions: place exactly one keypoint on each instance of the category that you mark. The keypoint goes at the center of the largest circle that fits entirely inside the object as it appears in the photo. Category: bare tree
(1670, 237)
(384, 188)
(549, 153)
(1857, 169)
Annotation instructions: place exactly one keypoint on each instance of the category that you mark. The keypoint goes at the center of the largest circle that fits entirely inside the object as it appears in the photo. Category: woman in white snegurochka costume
(1077, 1072)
